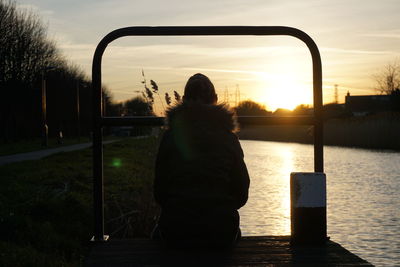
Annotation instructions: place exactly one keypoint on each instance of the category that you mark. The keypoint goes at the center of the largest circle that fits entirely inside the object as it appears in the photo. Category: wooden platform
(250, 251)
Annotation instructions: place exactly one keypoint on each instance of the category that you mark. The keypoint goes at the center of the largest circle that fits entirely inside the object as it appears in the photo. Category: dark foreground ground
(250, 251)
(46, 210)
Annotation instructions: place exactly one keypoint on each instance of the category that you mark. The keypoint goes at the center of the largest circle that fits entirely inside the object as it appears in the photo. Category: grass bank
(46, 205)
(379, 131)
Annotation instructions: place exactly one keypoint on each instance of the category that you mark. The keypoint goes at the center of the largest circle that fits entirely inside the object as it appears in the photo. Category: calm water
(363, 189)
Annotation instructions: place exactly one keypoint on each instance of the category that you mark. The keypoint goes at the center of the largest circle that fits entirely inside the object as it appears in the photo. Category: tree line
(28, 57)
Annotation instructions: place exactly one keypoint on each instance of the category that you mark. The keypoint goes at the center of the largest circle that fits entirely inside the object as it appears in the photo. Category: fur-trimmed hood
(218, 117)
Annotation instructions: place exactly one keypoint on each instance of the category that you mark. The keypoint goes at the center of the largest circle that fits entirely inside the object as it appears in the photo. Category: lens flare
(116, 163)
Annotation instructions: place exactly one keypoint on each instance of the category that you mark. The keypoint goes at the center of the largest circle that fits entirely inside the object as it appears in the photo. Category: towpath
(35, 155)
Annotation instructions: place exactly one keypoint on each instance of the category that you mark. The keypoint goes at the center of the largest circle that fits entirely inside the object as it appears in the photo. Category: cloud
(355, 51)
(383, 35)
(71, 46)
(35, 9)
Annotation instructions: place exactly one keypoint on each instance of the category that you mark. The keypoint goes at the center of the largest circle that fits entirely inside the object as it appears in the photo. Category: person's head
(200, 89)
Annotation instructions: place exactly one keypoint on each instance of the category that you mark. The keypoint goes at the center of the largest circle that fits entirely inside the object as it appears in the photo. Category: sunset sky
(356, 40)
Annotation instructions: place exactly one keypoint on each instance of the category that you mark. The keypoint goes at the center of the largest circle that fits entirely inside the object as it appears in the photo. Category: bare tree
(25, 51)
(388, 80)
(24, 46)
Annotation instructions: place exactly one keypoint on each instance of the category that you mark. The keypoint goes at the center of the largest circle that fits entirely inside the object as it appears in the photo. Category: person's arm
(240, 177)
(161, 169)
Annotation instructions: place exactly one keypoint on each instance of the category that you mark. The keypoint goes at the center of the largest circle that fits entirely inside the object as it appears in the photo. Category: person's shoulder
(214, 116)
(225, 116)
(234, 143)
(166, 138)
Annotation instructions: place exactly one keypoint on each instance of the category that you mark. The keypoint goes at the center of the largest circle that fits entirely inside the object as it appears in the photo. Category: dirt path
(35, 155)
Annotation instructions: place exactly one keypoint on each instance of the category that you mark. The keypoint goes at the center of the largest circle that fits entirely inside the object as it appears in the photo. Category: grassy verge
(46, 205)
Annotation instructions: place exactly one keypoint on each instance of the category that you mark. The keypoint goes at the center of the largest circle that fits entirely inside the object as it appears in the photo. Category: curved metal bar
(194, 31)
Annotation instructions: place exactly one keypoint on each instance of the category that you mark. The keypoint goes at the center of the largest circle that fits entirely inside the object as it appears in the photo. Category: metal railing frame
(99, 120)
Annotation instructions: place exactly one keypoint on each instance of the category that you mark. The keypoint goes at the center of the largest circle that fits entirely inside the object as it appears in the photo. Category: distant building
(364, 104)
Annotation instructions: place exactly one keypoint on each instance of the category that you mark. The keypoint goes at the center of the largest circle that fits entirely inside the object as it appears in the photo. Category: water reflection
(269, 202)
(362, 190)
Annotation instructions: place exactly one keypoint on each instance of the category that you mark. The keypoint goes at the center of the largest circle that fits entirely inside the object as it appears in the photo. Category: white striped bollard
(308, 208)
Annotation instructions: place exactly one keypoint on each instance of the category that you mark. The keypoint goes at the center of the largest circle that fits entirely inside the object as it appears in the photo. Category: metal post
(98, 191)
(78, 117)
(318, 106)
(59, 132)
(45, 129)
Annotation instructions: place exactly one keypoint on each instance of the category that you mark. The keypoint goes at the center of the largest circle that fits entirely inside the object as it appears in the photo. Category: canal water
(363, 202)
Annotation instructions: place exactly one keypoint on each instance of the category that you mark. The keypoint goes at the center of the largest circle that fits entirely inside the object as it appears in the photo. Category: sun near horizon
(284, 90)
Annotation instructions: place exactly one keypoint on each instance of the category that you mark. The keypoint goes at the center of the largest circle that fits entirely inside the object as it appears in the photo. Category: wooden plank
(250, 251)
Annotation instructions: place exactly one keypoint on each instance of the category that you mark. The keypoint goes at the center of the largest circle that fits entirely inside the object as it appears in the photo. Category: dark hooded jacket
(200, 177)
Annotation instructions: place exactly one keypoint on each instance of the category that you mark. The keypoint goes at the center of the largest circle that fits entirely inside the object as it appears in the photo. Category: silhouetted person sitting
(201, 179)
